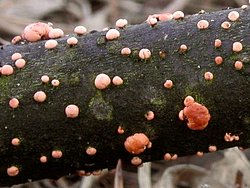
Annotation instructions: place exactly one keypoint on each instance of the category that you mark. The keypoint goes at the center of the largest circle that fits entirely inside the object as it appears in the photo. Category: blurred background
(222, 169)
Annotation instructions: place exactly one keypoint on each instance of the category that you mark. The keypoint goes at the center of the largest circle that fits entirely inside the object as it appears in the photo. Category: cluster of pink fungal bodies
(196, 115)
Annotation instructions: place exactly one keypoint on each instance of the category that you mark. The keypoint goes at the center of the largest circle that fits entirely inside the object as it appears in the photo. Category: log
(94, 139)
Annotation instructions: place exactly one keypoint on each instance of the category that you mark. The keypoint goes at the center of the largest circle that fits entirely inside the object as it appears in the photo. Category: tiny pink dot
(72, 111)
(16, 56)
(55, 83)
(183, 48)
(212, 148)
(56, 154)
(149, 115)
(16, 39)
(237, 47)
(168, 84)
(120, 130)
(233, 16)
(208, 76)
(14, 103)
(126, 51)
(217, 43)
(45, 79)
(43, 159)
(188, 101)
(80, 30)
(152, 21)
(218, 60)
(72, 41)
(7, 70)
(202, 24)
(121, 23)
(178, 15)
(56, 33)
(199, 153)
(117, 80)
(181, 115)
(136, 161)
(12, 171)
(225, 25)
(91, 151)
(20, 63)
(167, 157)
(174, 157)
(50, 44)
(238, 65)
(112, 34)
(39, 96)
(15, 141)
(102, 81)
(144, 54)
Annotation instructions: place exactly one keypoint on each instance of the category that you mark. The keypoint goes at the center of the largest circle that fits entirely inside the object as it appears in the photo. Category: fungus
(174, 157)
(136, 161)
(121, 23)
(225, 25)
(80, 30)
(181, 115)
(238, 65)
(16, 56)
(112, 34)
(36, 31)
(188, 101)
(136, 143)
(167, 157)
(217, 43)
(197, 115)
(43, 159)
(126, 51)
(149, 145)
(168, 84)
(165, 16)
(102, 81)
(149, 115)
(199, 153)
(183, 48)
(81, 173)
(202, 24)
(39, 96)
(50, 44)
(56, 154)
(97, 172)
(16, 39)
(237, 47)
(14, 103)
(162, 54)
(56, 33)
(15, 141)
(12, 171)
(91, 151)
(144, 54)
(228, 137)
(120, 130)
(72, 41)
(20, 63)
(208, 76)
(72, 111)
(244, 7)
(218, 60)
(152, 21)
(236, 138)
(7, 70)
(55, 82)
(233, 16)
(45, 79)
(212, 148)
(178, 15)
(117, 80)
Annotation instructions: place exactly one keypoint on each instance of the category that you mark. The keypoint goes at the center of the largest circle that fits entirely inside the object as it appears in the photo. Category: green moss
(5, 87)
(74, 79)
(159, 102)
(101, 40)
(197, 96)
(114, 47)
(233, 57)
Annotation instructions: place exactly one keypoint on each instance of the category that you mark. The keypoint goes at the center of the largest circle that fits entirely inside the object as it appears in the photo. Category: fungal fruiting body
(152, 21)
(208, 76)
(237, 47)
(149, 115)
(178, 15)
(168, 84)
(212, 148)
(12, 171)
(14, 103)
(225, 25)
(161, 17)
(102, 81)
(136, 143)
(91, 151)
(117, 80)
(72, 111)
(144, 54)
(72, 41)
(55, 82)
(188, 101)
(16, 56)
(16, 39)
(218, 60)
(80, 30)
(233, 16)
(15, 141)
(121, 23)
(45, 79)
(56, 154)
(199, 153)
(202, 24)
(126, 51)
(56, 33)
(112, 34)
(50, 44)
(181, 115)
(40, 96)
(183, 48)
(7, 70)
(217, 43)
(168, 157)
(238, 65)
(136, 161)
(43, 159)
(20, 63)
(228, 137)
(120, 130)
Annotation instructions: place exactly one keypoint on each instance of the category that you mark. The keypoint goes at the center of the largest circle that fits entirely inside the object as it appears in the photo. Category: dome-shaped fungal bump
(144, 53)
(16, 39)
(150, 115)
(218, 60)
(16, 56)
(20, 63)
(39, 96)
(226, 25)
(136, 143)
(188, 101)
(56, 33)
(102, 81)
(12, 171)
(72, 111)
(178, 15)
(136, 161)
(238, 65)
(217, 43)
(208, 76)
(168, 84)
(91, 151)
(7, 70)
(112, 34)
(117, 80)
(50, 44)
(55, 82)
(14, 103)
(45, 79)
(121, 23)
(56, 154)
(202, 24)
(72, 41)
(43, 159)
(233, 15)
(126, 51)
(237, 46)
(80, 30)
(15, 141)
(152, 21)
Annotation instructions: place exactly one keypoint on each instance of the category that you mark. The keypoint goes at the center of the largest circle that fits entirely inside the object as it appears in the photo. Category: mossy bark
(44, 127)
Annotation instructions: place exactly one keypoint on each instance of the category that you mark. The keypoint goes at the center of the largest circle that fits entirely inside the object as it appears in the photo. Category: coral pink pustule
(72, 111)
(102, 81)
(14, 103)
(12, 171)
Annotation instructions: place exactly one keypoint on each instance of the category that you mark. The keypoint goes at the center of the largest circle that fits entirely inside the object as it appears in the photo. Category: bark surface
(44, 127)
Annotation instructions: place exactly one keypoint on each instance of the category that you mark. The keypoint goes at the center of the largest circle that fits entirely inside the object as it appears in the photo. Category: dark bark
(44, 127)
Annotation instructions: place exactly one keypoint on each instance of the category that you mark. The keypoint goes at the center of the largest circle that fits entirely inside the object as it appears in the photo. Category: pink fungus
(91, 151)
(197, 115)
(238, 65)
(56, 33)
(39, 96)
(45, 79)
(72, 111)
(183, 48)
(14, 103)
(80, 30)
(212, 148)
(56, 154)
(126, 51)
(120, 130)
(149, 145)
(218, 60)
(72, 41)
(117, 80)
(217, 43)
(178, 15)
(165, 16)
(152, 21)
(136, 161)
(16, 39)
(121, 23)
(36, 31)
(20, 63)
(50, 44)
(167, 157)
(199, 153)
(236, 138)
(102, 81)
(112, 34)
(226, 25)
(208, 76)
(168, 84)
(136, 143)
(202, 24)
(149, 115)
(144, 54)
(188, 101)
(15, 141)
(237, 47)
(244, 7)
(174, 157)
(228, 137)
(7, 70)
(55, 82)
(181, 115)
(12, 171)
(233, 16)
(16, 56)
(43, 159)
